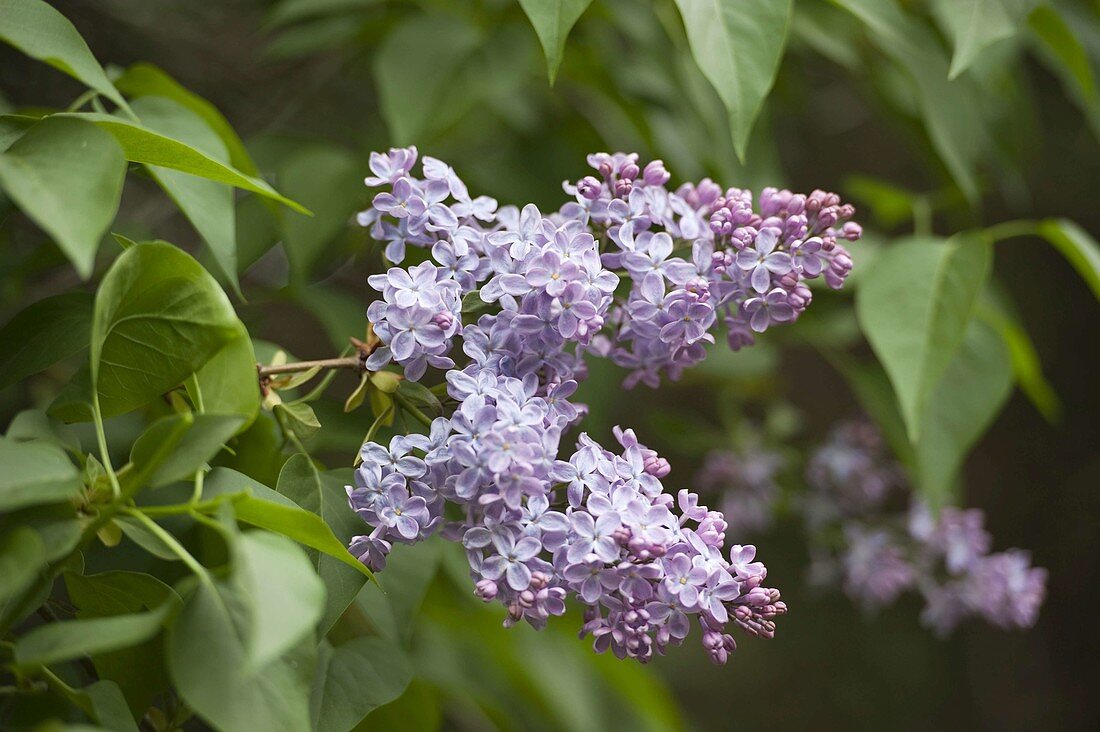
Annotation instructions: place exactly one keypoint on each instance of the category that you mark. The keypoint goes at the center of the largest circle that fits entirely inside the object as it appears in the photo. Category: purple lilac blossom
(745, 478)
(944, 557)
(599, 524)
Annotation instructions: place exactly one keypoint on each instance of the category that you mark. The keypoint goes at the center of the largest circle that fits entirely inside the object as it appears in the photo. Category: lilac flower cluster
(598, 526)
(863, 538)
(946, 558)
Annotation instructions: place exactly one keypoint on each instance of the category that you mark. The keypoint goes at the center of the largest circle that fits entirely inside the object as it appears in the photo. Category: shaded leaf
(66, 175)
(970, 394)
(22, 556)
(1077, 246)
(41, 32)
(1063, 52)
(355, 678)
(44, 333)
(64, 641)
(973, 26)
(208, 205)
(228, 383)
(174, 447)
(35, 473)
(299, 418)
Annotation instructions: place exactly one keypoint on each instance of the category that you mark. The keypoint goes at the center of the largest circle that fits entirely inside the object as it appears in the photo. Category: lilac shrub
(885, 550)
(604, 276)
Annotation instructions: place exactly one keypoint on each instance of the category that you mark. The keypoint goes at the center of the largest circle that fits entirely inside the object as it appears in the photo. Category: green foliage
(914, 307)
(211, 477)
(738, 46)
(66, 174)
(552, 20)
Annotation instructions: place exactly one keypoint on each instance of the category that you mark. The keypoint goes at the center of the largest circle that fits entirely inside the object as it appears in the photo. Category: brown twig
(354, 363)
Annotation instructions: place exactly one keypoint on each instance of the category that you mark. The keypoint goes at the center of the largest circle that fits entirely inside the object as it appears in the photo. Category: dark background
(830, 666)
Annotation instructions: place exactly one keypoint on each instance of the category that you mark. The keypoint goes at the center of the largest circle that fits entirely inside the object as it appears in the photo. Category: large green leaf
(228, 383)
(104, 704)
(138, 670)
(949, 108)
(44, 333)
(143, 145)
(1078, 247)
(273, 511)
(35, 473)
(325, 496)
(146, 80)
(174, 447)
(41, 32)
(34, 424)
(159, 316)
(208, 661)
(285, 595)
(552, 20)
(969, 395)
(208, 205)
(914, 307)
(56, 642)
(973, 26)
(66, 175)
(355, 678)
(738, 45)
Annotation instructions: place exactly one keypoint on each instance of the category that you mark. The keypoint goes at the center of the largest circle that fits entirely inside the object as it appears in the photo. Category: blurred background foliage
(862, 104)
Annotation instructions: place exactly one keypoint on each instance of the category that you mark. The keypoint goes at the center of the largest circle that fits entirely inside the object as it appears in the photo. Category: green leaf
(552, 20)
(174, 447)
(394, 602)
(948, 107)
(66, 175)
(208, 205)
(208, 661)
(228, 383)
(914, 306)
(1077, 246)
(41, 32)
(270, 510)
(973, 26)
(419, 395)
(56, 642)
(146, 80)
(159, 316)
(418, 93)
(1065, 55)
(325, 496)
(996, 310)
(139, 670)
(970, 394)
(22, 556)
(328, 180)
(147, 540)
(104, 703)
(142, 145)
(285, 595)
(35, 473)
(34, 424)
(299, 418)
(355, 678)
(286, 12)
(738, 46)
(44, 333)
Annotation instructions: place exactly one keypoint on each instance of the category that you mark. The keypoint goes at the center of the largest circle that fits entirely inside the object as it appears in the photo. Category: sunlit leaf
(1079, 248)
